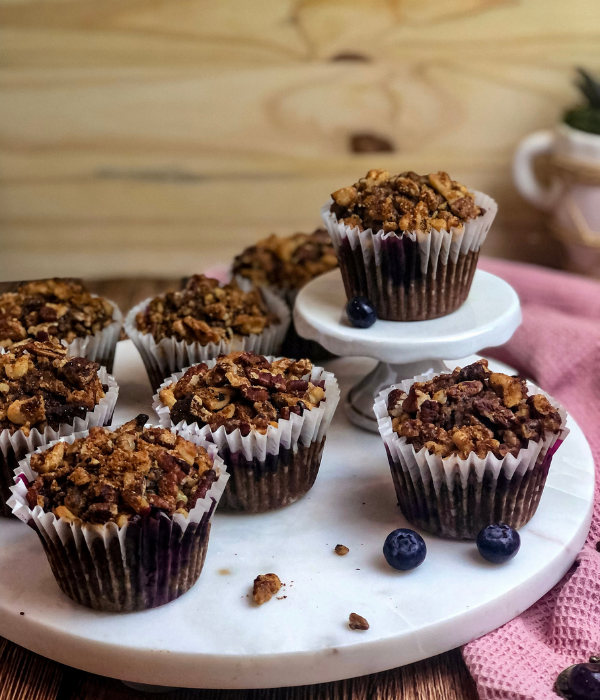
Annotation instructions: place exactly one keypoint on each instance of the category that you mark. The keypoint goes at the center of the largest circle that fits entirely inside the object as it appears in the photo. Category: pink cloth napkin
(558, 346)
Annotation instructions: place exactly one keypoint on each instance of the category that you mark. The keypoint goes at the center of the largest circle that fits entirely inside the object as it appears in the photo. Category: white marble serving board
(216, 637)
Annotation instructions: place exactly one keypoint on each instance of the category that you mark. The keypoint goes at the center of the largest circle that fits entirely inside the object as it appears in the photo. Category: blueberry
(498, 543)
(360, 312)
(584, 681)
(404, 549)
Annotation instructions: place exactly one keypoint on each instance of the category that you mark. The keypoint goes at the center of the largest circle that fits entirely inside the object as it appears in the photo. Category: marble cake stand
(489, 317)
(215, 637)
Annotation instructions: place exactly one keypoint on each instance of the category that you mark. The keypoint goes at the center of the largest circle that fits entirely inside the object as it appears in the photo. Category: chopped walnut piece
(357, 622)
(194, 315)
(341, 550)
(116, 475)
(53, 308)
(471, 410)
(265, 587)
(405, 202)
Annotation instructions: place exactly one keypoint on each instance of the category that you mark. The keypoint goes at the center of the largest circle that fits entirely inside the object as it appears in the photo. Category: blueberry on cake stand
(489, 317)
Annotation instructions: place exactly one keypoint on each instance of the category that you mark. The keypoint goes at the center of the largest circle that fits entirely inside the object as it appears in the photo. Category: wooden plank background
(156, 137)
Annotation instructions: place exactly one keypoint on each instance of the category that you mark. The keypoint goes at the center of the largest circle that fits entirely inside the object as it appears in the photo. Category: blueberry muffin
(469, 448)
(409, 243)
(202, 321)
(243, 402)
(285, 264)
(143, 497)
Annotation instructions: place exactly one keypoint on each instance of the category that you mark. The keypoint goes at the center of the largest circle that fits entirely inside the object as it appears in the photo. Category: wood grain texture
(154, 137)
(27, 676)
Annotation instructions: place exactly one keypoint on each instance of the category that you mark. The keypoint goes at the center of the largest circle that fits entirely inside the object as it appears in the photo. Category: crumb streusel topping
(115, 475)
(471, 410)
(287, 262)
(204, 312)
(405, 202)
(40, 386)
(54, 308)
(243, 390)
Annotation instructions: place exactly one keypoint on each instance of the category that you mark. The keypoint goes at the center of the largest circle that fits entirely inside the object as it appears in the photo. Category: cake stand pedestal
(489, 317)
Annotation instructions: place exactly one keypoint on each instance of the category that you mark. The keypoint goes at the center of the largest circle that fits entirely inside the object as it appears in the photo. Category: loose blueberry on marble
(404, 549)
(360, 312)
(498, 543)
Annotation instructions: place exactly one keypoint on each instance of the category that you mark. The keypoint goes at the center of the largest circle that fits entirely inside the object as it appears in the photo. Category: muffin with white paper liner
(45, 394)
(62, 309)
(408, 243)
(127, 525)
(201, 322)
(283, 265)
(268, 417)
(469, 448)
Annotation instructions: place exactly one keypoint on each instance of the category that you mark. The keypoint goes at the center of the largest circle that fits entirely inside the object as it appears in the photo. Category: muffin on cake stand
(489, 317)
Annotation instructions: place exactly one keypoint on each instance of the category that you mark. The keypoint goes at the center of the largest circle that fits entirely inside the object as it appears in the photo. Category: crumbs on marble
(265, 587)
(357, 622)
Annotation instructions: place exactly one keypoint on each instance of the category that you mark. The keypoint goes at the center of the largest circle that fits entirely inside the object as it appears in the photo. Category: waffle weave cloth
(558, 347)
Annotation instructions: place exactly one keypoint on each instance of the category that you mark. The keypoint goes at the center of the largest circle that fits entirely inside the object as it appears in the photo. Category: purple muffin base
(160, 563)
(460, 513)
(258, 486)
(398, 288)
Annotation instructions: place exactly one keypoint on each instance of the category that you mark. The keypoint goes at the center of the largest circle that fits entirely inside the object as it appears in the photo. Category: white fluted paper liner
(49, 522)
(106, 567)
(170, 355)
(307, 428)
(99, 347)
(442, 472)
(434, 246)
(20, 444)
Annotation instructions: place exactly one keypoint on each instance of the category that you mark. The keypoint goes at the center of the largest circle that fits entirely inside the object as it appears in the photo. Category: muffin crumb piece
(357, 622)
(341, 550)
(265, 587)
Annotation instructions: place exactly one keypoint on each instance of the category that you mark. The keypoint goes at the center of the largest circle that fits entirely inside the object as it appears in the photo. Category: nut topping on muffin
(205, 313)
(243, 390)
(405, 202)
(115, 475)
(56, 308)
(471, 410)
(40, 386)
(287, 262)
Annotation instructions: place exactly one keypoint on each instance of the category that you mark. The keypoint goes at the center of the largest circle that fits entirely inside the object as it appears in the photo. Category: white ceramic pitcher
(573, 197)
